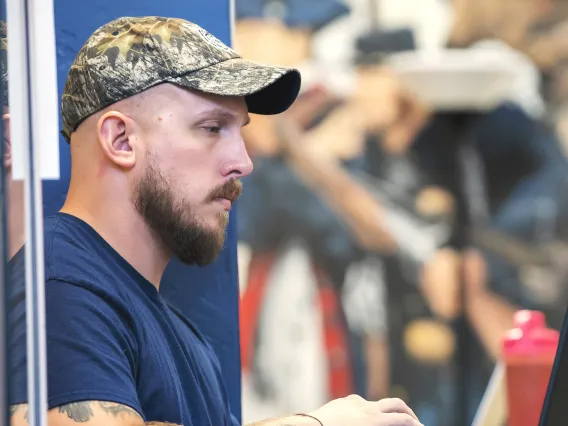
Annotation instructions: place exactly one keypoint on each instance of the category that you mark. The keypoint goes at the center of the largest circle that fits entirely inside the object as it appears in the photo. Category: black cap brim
(267, 89)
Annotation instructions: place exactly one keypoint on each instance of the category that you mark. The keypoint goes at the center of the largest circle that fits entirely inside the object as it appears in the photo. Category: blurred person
(397, 218)
(538, 29)
(524, 169)
(156, 140)
(420, 336)
(310, 247)
(526, 179)
(524, 174)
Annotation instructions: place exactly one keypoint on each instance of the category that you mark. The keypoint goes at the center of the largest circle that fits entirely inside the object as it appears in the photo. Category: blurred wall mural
(384, 242)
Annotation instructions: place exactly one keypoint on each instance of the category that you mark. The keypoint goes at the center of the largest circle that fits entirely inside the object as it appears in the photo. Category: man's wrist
(294, 420)
(306, 420)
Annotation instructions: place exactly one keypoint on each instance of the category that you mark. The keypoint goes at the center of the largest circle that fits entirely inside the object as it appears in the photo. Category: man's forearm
(85, 412)
(352, 201)
(343, 193)
(346, 196)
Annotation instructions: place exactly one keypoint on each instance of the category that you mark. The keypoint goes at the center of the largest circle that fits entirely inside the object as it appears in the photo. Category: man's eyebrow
(223, 113)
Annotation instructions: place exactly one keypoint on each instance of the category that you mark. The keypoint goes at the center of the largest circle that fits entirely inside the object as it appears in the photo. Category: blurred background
(407, 205)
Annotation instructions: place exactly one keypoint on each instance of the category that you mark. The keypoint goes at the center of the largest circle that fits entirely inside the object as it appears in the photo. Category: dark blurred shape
(4, 61)
(555, 410)
(373, 47)
(312, 14)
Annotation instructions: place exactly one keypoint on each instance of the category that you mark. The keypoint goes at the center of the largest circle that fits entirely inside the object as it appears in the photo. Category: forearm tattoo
(161, 424)
(21, 408)
(82, 412)
(117, 409)
(79, 412)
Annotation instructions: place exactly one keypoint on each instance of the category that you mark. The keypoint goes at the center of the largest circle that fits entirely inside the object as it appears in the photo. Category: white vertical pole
(4, 280)
(19, 135)
(33, 106)
(44, 97)
(44, 123)
(32, 62)
(232, 22)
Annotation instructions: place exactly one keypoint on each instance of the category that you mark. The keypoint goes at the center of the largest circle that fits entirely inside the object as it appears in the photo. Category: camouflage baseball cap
(132, 54)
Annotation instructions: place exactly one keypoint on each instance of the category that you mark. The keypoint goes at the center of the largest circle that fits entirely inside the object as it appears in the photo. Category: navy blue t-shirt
(112, 337)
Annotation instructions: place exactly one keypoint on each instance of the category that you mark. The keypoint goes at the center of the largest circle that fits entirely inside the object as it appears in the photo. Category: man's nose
(240, 163)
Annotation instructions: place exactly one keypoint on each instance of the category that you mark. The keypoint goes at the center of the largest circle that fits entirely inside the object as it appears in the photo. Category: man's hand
(356, 411)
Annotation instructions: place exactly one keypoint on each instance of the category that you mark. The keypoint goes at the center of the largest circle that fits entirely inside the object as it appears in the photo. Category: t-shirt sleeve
(90, 349)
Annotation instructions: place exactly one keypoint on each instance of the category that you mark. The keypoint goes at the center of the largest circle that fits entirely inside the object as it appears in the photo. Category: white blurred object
(458, 79)
(291, 356)
(429, 19)
(244, 256)
(526, 91)
(364, 297)
(492, 410)
(417, 240)
(338, 79)
(34, 104)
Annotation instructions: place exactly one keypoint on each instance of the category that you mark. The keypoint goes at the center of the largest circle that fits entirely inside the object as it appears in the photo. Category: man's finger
(395, 405)
(399, 419)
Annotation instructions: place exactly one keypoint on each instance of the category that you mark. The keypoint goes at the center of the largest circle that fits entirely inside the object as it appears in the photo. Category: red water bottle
(528, 352)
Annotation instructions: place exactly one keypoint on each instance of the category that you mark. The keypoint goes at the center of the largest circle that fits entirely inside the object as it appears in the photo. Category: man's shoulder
(74, 255)
(64, 237)
(62, 229)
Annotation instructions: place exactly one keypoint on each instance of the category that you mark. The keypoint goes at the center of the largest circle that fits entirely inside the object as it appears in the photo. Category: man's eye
(213, 130)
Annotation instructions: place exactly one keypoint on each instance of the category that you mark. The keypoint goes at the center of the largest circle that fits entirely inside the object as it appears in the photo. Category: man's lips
(226, 194)
(226, 203)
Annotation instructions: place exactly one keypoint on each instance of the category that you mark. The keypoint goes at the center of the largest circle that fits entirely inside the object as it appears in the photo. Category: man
(153, 109)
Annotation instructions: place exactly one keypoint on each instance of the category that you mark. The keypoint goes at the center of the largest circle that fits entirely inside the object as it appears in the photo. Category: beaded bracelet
(311, 417)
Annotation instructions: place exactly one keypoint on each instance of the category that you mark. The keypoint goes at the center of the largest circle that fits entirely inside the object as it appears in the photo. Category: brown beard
(173, 221)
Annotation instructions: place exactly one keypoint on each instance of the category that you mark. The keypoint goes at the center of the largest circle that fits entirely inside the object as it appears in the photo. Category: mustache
(231, 190)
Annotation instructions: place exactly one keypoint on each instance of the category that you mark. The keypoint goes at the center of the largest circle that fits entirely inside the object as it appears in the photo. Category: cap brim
(268, 90)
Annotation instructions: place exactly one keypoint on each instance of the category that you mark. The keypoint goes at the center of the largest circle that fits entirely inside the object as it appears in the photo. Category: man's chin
(204, 250)
(203, 258)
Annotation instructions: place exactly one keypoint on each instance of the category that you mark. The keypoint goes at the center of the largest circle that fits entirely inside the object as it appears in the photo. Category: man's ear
(116, 137)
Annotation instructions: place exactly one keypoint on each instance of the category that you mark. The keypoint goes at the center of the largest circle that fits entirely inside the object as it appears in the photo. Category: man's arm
(343, 193)
(87, 413)
(352, 410)
(102, 413)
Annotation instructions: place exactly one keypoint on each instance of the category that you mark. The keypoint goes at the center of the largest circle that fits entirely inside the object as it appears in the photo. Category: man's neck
(127, 233)
(16, 216)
